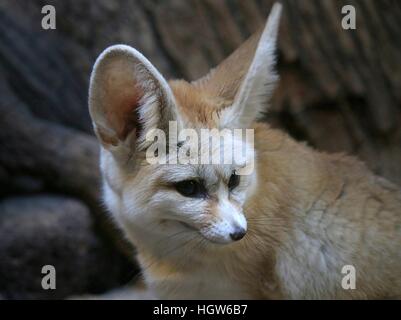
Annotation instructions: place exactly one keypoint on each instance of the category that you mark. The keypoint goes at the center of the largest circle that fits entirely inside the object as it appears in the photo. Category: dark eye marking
(234, 181)
(191, 188)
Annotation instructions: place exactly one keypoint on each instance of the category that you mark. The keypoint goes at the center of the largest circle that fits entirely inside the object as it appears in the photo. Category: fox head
(129, 98)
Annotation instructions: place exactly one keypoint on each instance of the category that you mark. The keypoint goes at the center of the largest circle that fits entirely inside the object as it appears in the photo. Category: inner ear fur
(127, 96)
(225, 79)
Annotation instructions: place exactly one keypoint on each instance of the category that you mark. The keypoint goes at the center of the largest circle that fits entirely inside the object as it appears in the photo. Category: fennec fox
(287, 230)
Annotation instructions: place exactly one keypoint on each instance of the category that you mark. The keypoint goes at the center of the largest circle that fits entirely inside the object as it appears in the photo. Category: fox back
(282, 221)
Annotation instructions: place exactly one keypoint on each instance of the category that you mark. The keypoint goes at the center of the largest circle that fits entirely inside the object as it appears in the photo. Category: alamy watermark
(349, 20)
(348, 282)
(49, 280)
(203, 146)
(49, 18)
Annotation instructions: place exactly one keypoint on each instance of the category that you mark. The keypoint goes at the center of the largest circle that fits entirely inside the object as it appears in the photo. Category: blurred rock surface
(58, 231)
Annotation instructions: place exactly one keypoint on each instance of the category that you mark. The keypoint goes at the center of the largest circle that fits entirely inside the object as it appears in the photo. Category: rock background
(339, 91)
(58, 231)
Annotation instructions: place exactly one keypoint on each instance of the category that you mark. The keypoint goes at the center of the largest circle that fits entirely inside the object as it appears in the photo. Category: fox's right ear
(127, 97)
(246, 79)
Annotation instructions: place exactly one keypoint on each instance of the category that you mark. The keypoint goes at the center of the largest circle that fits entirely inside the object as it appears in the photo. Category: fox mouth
(194, 229)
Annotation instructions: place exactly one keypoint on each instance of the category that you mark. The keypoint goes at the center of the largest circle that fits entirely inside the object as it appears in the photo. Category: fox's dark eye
(191, 188)
(233, 182)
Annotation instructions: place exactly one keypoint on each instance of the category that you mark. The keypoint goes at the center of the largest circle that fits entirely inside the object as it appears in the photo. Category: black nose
(238, 234)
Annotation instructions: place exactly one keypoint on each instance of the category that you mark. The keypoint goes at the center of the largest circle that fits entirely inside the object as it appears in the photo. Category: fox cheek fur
(302, 214)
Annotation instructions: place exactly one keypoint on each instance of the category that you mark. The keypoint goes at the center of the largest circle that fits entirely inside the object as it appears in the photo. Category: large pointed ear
(246, 79)
(127, 98)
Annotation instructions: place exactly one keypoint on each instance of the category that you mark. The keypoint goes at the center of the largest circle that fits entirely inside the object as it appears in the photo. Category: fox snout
(228, 224)
(238, 234)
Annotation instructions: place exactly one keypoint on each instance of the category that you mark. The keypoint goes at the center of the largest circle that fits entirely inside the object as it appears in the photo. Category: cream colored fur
(307, 213)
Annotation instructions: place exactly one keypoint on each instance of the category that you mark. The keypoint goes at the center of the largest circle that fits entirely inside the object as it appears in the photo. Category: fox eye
(234, 181)
(191, 188)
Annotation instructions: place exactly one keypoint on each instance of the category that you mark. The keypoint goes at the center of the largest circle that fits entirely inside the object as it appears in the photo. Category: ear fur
(127, 97)
(247, 77)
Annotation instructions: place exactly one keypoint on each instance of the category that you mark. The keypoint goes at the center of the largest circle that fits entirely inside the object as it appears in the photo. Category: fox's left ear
(247, 78)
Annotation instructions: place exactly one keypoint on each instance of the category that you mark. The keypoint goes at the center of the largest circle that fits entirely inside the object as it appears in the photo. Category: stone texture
(52, 230)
